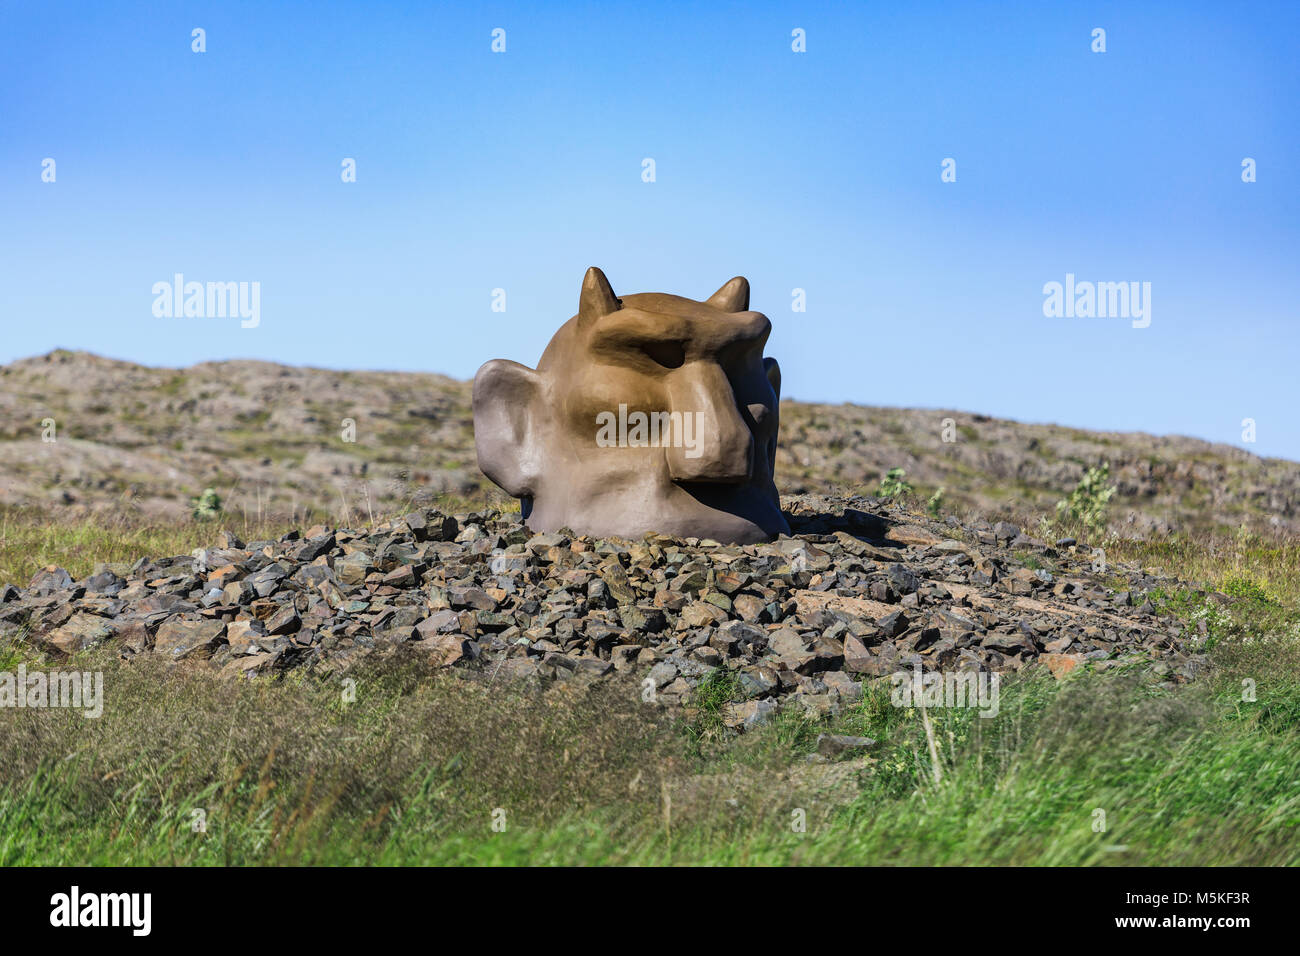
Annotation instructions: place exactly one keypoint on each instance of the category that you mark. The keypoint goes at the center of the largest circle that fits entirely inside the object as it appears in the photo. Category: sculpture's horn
(597, 297)
(732, 297)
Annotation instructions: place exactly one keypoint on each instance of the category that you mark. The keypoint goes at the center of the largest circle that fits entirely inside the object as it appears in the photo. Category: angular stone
(856, 654)
(443, 621)
(902, 580)
(617, 582)
(49, 580)
(476, 598)
(748, 714)
(104, 582)
(786, 642)
(842, 684)
(1006, 531)
(729, 582)
(81, 631)
(267, 581)
(283, 621)
(749, 608)
(758, 681)
(246, 666)
(242, 636)
(494, 621)
(663, 673)
(717, 599)
(913, 534)
(891, 625)
(507, 563)
(690, 581)
(701, 614)
(1008, 643)
(707, 655)
(179, 639)
(352, 568)
(642, 618)
(312, 549)
(828, 654)
(791, 650)
(444, 650)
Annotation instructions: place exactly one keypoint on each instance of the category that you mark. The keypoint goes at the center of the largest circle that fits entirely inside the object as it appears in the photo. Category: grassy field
(436, 769)
(28, 542)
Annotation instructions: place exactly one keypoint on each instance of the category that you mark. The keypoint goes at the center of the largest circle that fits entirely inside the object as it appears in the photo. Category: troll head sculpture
(650, 413)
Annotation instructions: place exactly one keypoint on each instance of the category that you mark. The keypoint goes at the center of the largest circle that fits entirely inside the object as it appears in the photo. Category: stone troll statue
(649, 413)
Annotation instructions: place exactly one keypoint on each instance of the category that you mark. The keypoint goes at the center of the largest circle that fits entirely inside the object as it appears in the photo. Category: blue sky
(816, 170)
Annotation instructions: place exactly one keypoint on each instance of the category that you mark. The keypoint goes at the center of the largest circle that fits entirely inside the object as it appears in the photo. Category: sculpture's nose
(718, 445)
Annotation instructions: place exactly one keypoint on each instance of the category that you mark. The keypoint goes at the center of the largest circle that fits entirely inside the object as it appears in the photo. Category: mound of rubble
(858, 591)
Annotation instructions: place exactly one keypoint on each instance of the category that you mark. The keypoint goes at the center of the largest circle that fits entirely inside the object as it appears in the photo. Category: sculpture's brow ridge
(625, 326)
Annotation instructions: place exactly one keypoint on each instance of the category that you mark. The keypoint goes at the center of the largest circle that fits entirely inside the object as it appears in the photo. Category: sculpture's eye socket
(667, 354)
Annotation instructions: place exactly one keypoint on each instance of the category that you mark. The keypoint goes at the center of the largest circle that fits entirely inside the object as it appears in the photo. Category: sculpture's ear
(509, 418)
(597, 297)
(773, 371)
(732, 297)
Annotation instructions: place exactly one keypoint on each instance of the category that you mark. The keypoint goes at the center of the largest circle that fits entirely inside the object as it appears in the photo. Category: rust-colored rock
(1061, 665)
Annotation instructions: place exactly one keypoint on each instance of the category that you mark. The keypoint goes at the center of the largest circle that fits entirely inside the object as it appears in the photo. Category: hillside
(270, 440)
(607, 686)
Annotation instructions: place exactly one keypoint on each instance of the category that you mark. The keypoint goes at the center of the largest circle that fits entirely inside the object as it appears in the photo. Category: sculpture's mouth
(723, 495)
(747, 503)
(694, 484)
(715, 493)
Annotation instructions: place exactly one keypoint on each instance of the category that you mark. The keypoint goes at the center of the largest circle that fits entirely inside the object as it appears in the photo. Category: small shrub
(894, 484)
(933, 506)
(207, 505)
(1088, 502)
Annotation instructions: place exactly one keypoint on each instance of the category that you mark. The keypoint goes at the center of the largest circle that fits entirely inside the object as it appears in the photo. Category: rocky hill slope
(348, 447)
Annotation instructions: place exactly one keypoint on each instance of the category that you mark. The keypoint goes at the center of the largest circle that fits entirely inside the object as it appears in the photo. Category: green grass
(1248, 586)
(419, 766)
(28, 542)
(413, 771)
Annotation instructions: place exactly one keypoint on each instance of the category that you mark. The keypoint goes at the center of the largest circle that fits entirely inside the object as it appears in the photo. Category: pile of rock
(859, 591)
